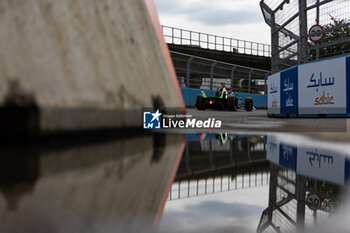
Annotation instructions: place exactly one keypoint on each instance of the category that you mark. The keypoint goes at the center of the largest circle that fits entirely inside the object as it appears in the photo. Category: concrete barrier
(190, 95)
(82, 65)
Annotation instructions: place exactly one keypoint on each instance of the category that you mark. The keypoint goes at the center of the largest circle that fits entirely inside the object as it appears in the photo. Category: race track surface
(335, 129)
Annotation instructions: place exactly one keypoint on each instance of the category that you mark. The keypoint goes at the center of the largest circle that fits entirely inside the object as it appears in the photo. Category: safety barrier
(313, 89)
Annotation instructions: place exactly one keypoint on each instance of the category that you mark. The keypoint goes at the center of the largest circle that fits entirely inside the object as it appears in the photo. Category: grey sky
(233, 18)
(212, 216)
(235, 211)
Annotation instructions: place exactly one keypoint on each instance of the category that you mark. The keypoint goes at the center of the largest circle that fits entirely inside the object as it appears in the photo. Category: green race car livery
(222, 100)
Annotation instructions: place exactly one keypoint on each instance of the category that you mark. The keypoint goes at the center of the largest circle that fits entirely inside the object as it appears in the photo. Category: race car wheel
(200, 102)
(248, 103)
(231, 103)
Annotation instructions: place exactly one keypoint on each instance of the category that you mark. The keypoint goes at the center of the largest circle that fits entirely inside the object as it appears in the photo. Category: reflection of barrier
(313, 89)
(305, 184)
(319, 163)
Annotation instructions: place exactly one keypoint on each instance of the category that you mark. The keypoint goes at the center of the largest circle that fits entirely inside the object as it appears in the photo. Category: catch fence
(207, 74)
(303, 31)
(185, 37)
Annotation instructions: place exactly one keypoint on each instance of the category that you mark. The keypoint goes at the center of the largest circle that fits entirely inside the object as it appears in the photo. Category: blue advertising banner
(347, 170)
(289, 91)
(321, 87)
(274, 94)
(347, 65)
(288, 157)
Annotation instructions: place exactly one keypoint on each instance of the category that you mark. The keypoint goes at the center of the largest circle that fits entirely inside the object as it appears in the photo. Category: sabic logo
(324, 99)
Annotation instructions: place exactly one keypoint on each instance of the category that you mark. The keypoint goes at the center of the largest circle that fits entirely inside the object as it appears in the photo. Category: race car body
(222, 100)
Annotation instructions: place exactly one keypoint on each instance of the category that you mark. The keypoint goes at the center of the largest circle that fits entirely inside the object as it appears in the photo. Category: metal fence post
(274, 46)
(303, 53)
(207, 41)
(188, 71)
(317, 22)
(212, 74)
(190, 37)
(267, 74)
(199, 39)
(188, 188)
(233, 77)
(231, 154)
(211, 156)
(181, 36)
(187, 151)
(250, 80)
(215, 42)
(263, 50)
(223, 43)
(301, 193)
(172, 35)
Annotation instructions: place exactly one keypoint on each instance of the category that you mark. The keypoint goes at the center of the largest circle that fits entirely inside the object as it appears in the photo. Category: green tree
(338, 36)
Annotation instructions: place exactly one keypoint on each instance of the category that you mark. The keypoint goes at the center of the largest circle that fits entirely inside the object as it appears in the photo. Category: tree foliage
(333, 42)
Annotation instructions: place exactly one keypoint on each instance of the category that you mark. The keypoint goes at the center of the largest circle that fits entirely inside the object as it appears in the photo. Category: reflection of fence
(203, 40)
(211, 166)
(290, 22)
(287, 210)
(210, 185)
(203, 73)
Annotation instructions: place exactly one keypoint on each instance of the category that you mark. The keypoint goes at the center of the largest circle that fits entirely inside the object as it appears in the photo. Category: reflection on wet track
(111, 186)
(218, 162)
(304, 184)
(172, 183)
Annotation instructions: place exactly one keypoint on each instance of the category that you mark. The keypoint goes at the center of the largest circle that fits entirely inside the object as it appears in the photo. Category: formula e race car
(223, 100)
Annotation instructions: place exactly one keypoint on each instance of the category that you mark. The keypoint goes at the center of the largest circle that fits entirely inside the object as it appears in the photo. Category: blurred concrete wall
(84, 64)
